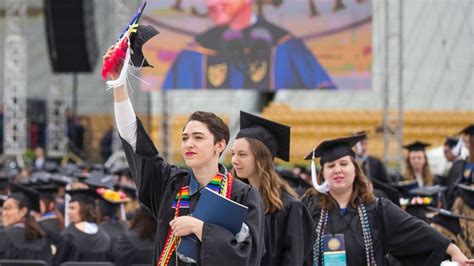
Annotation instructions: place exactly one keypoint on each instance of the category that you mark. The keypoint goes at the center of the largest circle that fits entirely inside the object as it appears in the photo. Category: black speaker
(72, 41)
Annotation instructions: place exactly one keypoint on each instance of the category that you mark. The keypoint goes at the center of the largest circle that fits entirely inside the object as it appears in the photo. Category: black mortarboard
(3, 198)
(275, 136)
(4, 182)
(60, 180)
(416, 146)
(466, 192)
(363, 133)
(83, 195)
(469, 130)
(27, 196)
(98, 180)
(451, 142)
(137, 40)
(110, 201)
(428, 190)
(330, 150)
(129, 190)
(448, 220)
(47, 191)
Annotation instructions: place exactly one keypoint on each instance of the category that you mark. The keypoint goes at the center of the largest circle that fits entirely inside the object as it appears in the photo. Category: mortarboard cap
(416, 146)
(466, 192)
(137, 40)
(28, 197)
(275, 136)
(469, 130)
(363, 133)
(4, 182)
(448, 220)
(428, 190)
(98, 180)
(47, 191)
(330, 150)
(110, 201)
(83, 195)
(60, 180)
(129, 190)
(451, 142)
(3, 198)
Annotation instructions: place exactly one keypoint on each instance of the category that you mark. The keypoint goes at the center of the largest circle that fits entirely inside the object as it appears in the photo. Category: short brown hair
(360, 190)
(215, 124)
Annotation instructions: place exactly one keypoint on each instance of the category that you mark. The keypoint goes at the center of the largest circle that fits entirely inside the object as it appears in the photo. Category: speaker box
(72, 41)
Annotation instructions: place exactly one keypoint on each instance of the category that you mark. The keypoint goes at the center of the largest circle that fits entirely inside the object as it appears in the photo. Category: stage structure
(15, 75)
(56, 140)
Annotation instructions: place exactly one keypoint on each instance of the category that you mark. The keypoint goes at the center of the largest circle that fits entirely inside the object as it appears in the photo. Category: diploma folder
(213, 208)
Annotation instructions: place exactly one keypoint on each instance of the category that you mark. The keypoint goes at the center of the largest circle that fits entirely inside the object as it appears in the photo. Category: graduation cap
(3, 198)
(448, 220)
(469, 130)
(60, 180)
(466, 192)
(110, 201)
(330, 150)
(416, 146)
(275, 136)
(97, 180)
(451, 142)
(427, 195)
(28, 197)
(137, 40)
(47, 191)
(83, 195)
(363, 133)
(129, 190)
(4, 182)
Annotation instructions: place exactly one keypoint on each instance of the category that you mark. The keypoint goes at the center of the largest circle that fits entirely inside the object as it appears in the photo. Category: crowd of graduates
(90, 213)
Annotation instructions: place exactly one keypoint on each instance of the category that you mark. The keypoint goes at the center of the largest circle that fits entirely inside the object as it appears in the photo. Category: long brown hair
(144, 223)
(409, 173)
(271, 184)
(32, 228)
(360, 190)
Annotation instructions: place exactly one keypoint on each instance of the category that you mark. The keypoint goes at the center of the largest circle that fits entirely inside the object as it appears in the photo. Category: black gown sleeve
(64, 251)
(297, 243)
(220, 245)
(409, 239)
(149, 170)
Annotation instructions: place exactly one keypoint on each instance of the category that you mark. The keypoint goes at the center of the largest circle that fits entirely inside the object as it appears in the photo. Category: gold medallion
(258, 71)
(217, 74)
(334, 244)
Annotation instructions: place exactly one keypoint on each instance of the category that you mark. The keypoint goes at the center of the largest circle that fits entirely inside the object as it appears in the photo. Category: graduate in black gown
(136, 245)
(83, 240)
(462, 171)
(354, 227)
(110, 208)
(51, 219)
(22, 237)
(287, 221)
(171, 193)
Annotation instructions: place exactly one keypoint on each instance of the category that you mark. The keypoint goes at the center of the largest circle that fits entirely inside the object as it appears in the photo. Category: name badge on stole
(334, 250)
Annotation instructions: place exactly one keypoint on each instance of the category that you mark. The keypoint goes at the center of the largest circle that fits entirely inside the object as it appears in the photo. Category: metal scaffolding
(56, 128)
(15, 76)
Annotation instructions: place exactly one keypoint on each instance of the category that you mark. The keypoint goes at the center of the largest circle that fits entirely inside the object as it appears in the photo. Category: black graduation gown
(131, 249)
(113, 228)
(158, 183)
(288, 233)
(15, 246)
(394, 232)
(50, 226)
(76, 245)
(453, 178)
(374, 169)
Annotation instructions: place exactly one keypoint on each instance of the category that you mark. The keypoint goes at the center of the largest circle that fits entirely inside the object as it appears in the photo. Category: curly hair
(271, 184)
(361, 190)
